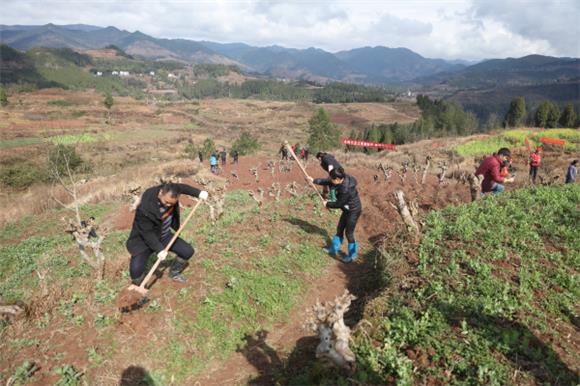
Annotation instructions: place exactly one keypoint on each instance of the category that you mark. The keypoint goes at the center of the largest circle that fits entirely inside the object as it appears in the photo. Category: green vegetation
(21, 175)
(245, 144)
(8, 143)
(516, 138)
(323, 134)
(3, 97)
(69, 376)
(22, 374)
(499, 282)
(73, 139)
(439, 118)
(61, 103)
(516, 113)
(288, 91)
(63, 159)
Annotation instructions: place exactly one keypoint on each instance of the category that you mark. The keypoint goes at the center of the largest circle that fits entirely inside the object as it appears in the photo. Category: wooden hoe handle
(304, 172)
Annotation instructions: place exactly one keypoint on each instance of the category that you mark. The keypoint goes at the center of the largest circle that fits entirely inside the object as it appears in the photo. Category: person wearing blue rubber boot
(348, 201)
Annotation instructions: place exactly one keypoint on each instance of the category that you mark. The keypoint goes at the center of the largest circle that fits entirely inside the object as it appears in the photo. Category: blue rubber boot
(352, 247)
(334, 246)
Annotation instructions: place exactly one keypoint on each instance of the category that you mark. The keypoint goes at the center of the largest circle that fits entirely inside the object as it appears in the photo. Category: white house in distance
(172, 76)
(99, 73)
(115, 73)
(152, 73)
(123, 73)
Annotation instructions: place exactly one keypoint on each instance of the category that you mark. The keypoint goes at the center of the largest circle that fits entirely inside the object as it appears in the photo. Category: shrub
(61, 155)
(246, 144)
(22, 175)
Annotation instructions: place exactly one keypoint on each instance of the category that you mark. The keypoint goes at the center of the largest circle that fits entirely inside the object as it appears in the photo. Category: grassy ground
(244, 278)
(496, 299)
(517, 138)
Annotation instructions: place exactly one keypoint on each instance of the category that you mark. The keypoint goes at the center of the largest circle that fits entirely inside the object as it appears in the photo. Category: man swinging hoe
(155, 217)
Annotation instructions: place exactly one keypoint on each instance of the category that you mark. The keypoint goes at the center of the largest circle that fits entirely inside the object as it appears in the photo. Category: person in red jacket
(493, 182)
(535, 159)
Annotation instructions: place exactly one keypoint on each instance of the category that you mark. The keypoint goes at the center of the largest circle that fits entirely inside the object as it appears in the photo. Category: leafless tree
(83, 232)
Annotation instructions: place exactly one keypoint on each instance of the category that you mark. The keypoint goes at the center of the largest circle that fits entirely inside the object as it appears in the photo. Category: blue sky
(468, 29)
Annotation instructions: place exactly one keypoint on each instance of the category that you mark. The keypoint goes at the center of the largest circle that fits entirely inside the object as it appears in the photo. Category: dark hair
(574, 162)
(337, 173)
(320, 154)
(504, 151)
(171, 188)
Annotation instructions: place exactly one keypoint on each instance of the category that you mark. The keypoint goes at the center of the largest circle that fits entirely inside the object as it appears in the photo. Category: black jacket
(146, 231)
(347, 197)
(328, 159)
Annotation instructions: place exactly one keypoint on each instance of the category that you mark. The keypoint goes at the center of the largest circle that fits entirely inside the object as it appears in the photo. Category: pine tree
(541, 117)
(553, 116)
(108, 102)
(3, 97)
(568, 117)
(323, 134)
(516, 112)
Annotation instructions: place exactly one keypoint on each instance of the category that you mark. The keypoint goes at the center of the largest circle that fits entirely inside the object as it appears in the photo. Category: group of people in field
(158, 215)
(495, 170)
(301, 151)
(217, 156)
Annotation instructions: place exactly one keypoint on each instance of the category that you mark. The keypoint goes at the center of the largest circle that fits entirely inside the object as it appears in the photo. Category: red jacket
(489, 169)
(535, 159)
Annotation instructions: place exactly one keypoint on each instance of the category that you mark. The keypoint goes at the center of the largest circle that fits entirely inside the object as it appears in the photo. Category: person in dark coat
(155, 216)
(223, 156)
(328, 163)
(235, 155)
(572, 172)
(493, 182)
(284, 152)
(348, 201)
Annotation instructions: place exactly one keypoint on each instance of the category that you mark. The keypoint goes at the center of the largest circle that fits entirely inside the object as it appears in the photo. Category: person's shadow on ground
(136, 376)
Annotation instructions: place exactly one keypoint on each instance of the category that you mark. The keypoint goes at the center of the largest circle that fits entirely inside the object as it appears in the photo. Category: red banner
(554, 141)
(376, 145)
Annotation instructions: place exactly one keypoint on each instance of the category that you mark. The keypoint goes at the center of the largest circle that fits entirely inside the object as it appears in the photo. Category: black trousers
(533, 172)
(139, 262)
(347, 223)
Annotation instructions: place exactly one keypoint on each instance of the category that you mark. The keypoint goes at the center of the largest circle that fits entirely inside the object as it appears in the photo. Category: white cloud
(472, 29)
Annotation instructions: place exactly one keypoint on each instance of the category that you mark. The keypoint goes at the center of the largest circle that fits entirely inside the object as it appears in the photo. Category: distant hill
(527, 70)
(400, 68)
(388, 65)
(376, 65)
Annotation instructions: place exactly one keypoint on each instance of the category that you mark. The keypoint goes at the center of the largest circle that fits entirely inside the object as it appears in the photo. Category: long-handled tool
(141, 288)
(304, 172)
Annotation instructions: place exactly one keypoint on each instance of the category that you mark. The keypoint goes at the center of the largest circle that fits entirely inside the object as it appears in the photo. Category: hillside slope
(493, 299)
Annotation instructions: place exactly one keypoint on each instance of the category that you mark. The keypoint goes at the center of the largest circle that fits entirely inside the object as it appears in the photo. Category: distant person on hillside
(213, 162)
(328, 163)
(493, 182)
(235, 155)
(155, 216)
(200, 155)
(535, 159)
(348, 201)
(305, 151)
(284, 152)
(224, 156)
(571, 173)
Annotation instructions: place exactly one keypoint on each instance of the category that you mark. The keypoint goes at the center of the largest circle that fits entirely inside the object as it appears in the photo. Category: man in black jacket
(348, 201)
(155, 216)
(328, 163)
